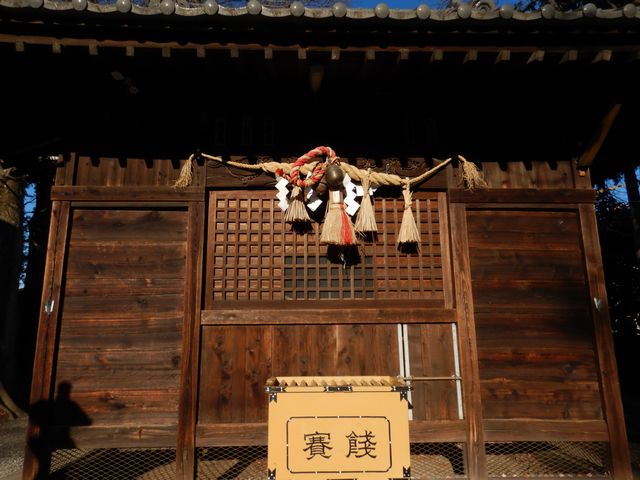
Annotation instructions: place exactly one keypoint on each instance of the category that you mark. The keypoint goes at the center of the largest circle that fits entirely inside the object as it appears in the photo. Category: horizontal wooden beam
(289, 314)
(433, 53)
(545, 430)
(231, 434)
(126, 194)
(249, 434)
(522, 195)
(442, 431)
(117, 436)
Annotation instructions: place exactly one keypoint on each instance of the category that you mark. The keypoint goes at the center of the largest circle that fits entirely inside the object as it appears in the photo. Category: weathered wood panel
(122, 172)
(534, 330)
(431, 352)
(121, 324)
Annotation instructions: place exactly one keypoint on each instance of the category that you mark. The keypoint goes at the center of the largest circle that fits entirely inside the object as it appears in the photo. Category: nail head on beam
(19, 46)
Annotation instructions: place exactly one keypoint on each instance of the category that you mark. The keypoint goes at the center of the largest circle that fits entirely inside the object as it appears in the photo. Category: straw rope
(304, 165)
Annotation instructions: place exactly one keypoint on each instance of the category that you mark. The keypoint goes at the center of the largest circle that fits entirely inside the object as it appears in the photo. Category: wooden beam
(503, 56)
(467, 343)
(124, 194)
(436, 56)
(247, 434)
(602, 56)
(569, 56)
(599, 136)
(522, 195)
(530, 430)
(536, 56)
(470, 56)
(35, 466)
(608, 370)
(285, 314)
(186, 436)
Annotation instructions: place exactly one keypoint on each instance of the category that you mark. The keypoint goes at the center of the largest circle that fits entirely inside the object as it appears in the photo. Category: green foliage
(622, 274)
(565, 5)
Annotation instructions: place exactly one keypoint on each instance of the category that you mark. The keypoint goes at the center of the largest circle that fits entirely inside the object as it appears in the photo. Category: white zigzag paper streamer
(352, 205)
(283, 193)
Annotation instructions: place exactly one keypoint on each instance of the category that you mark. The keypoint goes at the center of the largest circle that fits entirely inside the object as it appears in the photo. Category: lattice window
(254, 255)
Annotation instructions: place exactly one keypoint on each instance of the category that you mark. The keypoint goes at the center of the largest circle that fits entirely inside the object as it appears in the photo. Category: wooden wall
(165, 336)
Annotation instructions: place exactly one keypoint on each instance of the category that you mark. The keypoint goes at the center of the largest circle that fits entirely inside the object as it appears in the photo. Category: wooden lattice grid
(253, 255)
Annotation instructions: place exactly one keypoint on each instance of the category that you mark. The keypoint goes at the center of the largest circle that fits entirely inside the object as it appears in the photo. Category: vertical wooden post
(185, 451)
(476, 458)
(608, 370)
(42, 383)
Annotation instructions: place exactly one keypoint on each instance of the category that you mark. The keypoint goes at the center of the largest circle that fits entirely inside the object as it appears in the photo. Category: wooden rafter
(598, 138)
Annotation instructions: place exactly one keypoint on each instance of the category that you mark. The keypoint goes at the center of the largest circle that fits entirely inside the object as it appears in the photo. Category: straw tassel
(366, 221)
(409, 235)
(470, 176)
(297, 211)
(186, 174)
(337, 229)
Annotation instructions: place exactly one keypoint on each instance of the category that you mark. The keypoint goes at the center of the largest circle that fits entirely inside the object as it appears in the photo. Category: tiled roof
(481, 11)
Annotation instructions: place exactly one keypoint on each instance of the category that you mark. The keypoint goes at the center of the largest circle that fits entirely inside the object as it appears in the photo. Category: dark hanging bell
(334, 176)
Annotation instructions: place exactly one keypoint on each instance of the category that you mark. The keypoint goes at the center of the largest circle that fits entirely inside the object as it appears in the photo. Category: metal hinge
(273, 393)
(48, 307)
(338, 388)
(271, 474)
(406, 472)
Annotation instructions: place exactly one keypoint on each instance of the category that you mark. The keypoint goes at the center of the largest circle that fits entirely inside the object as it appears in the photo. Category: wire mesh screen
(253, 255)
(226, 463)
(114, 463)
(537, 459)
(438, 460)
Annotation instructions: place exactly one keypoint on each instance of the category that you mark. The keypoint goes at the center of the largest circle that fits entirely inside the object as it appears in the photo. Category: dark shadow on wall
(52, 422)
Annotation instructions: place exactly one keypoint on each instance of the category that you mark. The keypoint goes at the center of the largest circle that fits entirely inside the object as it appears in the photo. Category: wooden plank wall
(120, 339)
(128, 342)
(534, 330)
